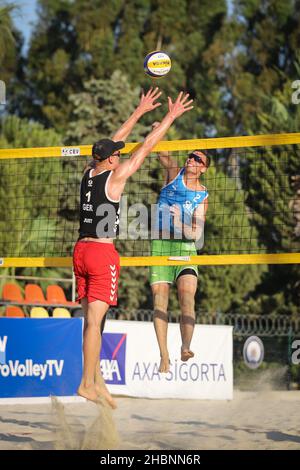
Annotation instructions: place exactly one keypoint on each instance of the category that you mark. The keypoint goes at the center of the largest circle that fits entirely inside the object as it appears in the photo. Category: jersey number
(88, 195)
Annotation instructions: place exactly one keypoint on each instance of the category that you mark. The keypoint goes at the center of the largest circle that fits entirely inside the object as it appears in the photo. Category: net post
(73, 286)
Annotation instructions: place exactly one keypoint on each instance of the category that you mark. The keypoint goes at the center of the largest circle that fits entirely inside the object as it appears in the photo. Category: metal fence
(243, 325)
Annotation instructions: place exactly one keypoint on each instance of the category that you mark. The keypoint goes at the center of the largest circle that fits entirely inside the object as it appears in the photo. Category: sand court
(252, 420)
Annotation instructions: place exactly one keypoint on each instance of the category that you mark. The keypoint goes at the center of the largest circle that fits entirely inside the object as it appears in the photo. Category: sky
(24, 18)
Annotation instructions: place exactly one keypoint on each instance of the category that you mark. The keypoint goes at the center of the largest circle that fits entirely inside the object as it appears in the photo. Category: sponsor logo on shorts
(113, 355)
(113, 284)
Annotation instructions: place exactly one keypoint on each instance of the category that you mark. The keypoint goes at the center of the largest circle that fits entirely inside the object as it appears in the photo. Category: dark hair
(208, 157)
(208, 160)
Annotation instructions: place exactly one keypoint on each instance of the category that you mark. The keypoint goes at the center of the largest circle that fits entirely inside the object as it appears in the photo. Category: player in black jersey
(96, 262)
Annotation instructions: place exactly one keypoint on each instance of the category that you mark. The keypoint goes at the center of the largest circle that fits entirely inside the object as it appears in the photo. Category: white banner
(130, 360)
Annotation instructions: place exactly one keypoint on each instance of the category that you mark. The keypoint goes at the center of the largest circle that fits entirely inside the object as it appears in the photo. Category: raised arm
(167, 161)
(176, 109)
(170, 164)
(146, 104)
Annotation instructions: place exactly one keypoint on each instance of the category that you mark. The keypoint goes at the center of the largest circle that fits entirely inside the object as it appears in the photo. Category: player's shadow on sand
(30, 424)
(27, 442)
(272, 435)
(13, 438)
(282, 436)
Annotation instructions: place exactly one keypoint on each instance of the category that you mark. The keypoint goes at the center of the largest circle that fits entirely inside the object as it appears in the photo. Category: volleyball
(157, 64)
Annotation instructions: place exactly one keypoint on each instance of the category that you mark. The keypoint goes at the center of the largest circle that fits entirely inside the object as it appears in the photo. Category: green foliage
(102, 108)
(28, 204)
(7, 43)
(22, 133)
(275, 177)
(82, 77)
(79, 41)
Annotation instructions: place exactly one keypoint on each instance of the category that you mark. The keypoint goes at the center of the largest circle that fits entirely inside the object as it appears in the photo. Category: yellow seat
(39, 312)
(60, 312)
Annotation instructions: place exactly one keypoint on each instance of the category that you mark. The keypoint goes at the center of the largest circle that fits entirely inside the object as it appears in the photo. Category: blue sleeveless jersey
(177, 193)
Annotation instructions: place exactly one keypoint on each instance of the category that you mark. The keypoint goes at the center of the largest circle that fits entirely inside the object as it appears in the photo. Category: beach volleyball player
(182, 207)
(96, 262)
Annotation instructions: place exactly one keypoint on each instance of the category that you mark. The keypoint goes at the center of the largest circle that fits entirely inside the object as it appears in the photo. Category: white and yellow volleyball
(157, 64)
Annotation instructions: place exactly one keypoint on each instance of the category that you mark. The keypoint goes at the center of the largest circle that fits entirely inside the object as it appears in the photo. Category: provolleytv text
(28, 368)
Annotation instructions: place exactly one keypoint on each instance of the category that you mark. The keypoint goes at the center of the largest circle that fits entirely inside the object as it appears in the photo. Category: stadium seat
(39, 312)
(16, 312)
(12, 292)
(60, 312)
(34, 294)
(56, 295)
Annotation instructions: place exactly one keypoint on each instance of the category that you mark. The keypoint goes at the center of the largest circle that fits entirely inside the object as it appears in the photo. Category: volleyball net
(253, 212)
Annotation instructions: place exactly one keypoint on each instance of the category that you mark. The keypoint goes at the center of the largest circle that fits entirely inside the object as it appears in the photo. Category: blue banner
(40, 357)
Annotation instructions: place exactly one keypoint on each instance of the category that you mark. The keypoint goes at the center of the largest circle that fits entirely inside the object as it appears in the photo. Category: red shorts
(97, 270)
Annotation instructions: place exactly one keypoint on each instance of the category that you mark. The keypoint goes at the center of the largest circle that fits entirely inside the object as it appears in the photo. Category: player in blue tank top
(176, 193)
(182, 206)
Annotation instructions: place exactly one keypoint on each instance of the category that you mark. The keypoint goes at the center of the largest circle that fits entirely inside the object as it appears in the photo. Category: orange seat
(12, 311)
(56, 295)
(12, 292)
(34, 294)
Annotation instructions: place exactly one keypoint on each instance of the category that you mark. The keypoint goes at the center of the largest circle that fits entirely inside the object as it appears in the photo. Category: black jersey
(99, 215)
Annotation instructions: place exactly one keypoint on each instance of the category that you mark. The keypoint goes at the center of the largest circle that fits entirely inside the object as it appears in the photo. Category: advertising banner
(130, 361)
(40, 357)
(43, 357)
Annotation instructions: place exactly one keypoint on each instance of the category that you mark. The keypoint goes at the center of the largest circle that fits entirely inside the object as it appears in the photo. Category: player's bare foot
(186, 354)
(103, 392)
(164, 364)
(90, 393)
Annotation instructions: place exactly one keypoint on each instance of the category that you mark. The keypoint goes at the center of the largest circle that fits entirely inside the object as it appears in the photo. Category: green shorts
(169, 274)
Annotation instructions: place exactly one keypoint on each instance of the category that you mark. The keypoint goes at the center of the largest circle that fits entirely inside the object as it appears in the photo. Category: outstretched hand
(180, 106)
(147, 102)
